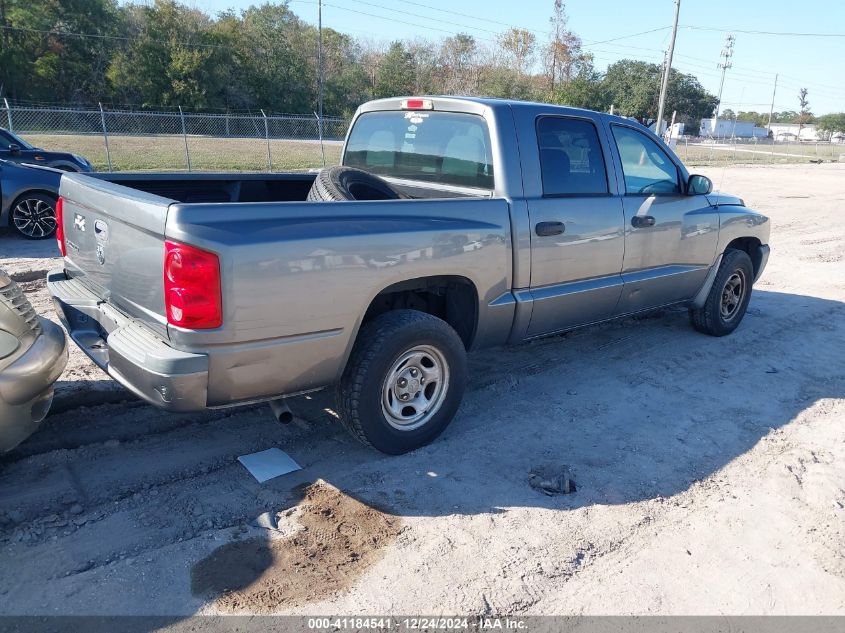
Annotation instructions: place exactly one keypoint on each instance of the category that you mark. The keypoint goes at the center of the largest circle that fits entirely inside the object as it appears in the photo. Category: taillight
(60, 226)
(192, 287)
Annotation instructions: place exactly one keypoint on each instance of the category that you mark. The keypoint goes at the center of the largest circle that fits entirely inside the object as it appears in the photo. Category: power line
(389, 19)
(511, 26)
(623, 37)
(425, 17)
(585, 43)
(465, 15)
(779, 33)
(830, 92)
(738, 70)
(465, 26)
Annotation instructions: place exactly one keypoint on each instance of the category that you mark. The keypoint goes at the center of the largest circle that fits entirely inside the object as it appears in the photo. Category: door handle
(642, 221)
(544, 229)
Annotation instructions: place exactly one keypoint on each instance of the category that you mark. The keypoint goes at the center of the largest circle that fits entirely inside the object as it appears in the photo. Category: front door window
(647, 168)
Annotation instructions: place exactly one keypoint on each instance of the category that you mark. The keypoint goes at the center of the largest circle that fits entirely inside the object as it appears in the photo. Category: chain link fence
(123, 140)
(695, 151)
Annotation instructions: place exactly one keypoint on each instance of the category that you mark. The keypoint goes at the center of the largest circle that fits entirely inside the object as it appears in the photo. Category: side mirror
(699, 185)
(14, 148)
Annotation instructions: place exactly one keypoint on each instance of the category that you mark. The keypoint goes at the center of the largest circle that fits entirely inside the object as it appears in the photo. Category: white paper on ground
(265, 465)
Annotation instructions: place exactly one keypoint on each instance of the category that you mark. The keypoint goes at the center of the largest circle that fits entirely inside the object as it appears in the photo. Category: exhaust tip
(281, 410)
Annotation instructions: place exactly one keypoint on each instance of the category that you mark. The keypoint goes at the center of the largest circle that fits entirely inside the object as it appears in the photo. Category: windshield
(9, 138)
(443, 147)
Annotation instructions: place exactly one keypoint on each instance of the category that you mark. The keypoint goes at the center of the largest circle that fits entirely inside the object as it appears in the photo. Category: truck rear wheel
(728, 298)
(404, 381)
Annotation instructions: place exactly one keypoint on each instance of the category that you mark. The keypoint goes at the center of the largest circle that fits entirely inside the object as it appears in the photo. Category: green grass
(757, 154)
(167, 153)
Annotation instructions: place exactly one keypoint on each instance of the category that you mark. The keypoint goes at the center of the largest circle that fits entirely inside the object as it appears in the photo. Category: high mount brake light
(417, 104)
(192, 295)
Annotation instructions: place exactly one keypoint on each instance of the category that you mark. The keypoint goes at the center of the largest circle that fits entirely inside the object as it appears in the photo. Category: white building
(789, 132)
(729, 128)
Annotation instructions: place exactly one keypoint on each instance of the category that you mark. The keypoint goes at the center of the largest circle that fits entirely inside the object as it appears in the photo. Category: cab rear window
(443, 147)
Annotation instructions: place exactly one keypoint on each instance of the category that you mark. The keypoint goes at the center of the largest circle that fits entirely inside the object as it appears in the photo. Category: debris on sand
(552, 480)
(269, 464)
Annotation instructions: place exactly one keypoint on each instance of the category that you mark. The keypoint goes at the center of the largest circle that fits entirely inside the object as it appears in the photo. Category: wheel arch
(452, 298)
(751, 246)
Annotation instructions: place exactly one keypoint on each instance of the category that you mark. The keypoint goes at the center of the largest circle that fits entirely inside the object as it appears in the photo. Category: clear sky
(814, 62)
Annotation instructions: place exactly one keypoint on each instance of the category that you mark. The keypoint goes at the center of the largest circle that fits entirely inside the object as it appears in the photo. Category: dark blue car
(13, 148)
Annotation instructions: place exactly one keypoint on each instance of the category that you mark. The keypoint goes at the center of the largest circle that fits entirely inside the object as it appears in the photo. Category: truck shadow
(638, 410)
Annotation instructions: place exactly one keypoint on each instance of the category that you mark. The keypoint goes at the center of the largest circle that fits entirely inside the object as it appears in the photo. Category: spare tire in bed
(348, 183)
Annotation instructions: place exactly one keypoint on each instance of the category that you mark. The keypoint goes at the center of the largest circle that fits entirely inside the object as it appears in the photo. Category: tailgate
(115, 244)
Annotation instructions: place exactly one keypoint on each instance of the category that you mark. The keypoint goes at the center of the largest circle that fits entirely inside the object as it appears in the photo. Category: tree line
(169, 54)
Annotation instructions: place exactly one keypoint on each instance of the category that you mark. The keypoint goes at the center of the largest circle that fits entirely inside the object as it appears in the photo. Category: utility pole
(664, 85)
(772, 108)
(320, 68)
(727, 53)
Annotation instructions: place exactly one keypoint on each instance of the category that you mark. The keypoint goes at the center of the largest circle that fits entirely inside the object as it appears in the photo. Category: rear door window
(443, 147)
(571, 159)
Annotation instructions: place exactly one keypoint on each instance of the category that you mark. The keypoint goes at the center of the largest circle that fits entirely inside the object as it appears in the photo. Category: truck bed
(210, 187)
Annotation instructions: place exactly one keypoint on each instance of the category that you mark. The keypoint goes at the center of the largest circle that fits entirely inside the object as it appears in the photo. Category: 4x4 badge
(101, 254)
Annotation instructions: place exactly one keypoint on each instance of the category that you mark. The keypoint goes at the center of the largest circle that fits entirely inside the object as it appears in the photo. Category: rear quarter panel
(297, 279)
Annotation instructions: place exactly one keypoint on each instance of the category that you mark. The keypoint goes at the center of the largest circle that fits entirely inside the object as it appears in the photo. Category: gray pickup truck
(490, 222)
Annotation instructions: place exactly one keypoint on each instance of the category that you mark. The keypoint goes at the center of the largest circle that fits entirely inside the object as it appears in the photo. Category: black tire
(362, 393)
(33, 216)
(347, 183)
(722, 312)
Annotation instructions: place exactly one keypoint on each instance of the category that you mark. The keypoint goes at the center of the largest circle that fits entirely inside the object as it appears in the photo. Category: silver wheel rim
(733, 294)
(415, 388)
(34, 217)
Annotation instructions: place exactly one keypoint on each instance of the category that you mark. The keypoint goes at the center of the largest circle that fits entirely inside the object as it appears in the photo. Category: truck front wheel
(728, 299)
(404, 381)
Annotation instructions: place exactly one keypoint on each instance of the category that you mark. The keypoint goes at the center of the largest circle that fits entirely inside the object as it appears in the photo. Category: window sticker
(416, 117)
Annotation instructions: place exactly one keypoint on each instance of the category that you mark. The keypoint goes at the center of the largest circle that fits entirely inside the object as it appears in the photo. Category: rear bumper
(26, 386)
(128, 351)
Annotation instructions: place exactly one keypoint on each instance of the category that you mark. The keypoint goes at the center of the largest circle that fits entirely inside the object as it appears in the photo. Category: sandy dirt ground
(710, 472)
